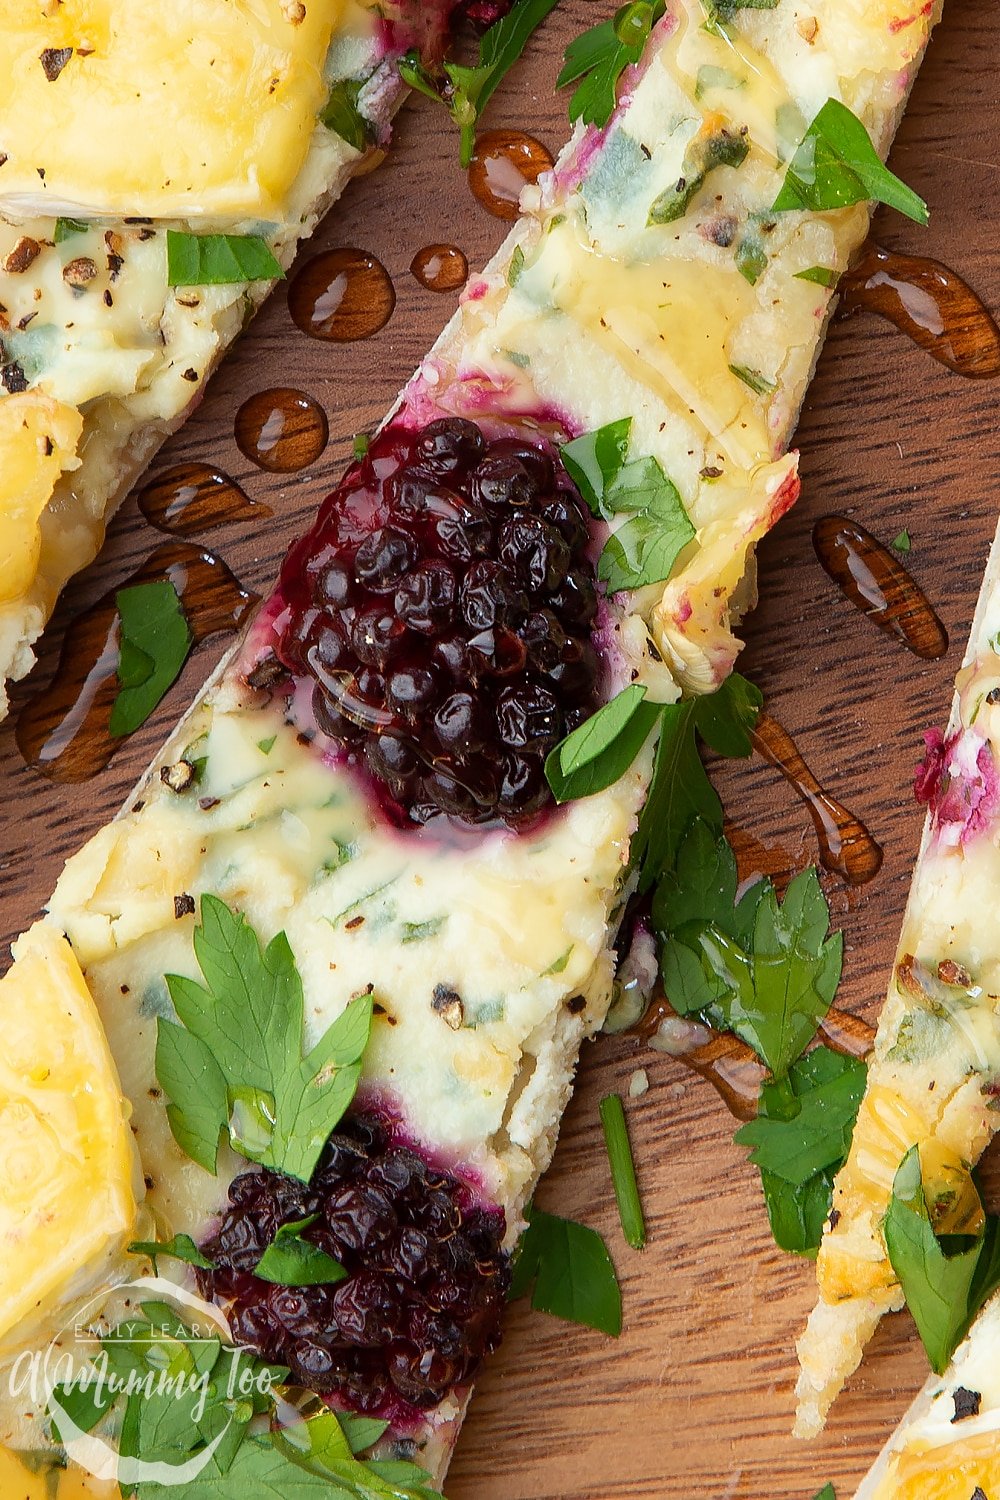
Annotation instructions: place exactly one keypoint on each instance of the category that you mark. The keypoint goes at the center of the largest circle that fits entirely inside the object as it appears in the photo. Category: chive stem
(623, 1171)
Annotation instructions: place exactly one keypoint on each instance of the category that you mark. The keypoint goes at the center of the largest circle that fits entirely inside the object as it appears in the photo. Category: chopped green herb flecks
(751, 258)
(836, 165)
(154, 639)
(722, 148)
(901, 542)
(360, 446)
(559, 965)
(757, 382)
(466, 91)
(219, 259)
(418, 932)
(821, 275)
(623, 1171)
(568, 1271)
(266, 746)
(181, 1247)
(67, 228)
(342, 115)
(516, 266)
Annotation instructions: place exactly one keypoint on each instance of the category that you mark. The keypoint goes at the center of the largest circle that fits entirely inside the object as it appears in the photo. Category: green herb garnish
(826, 1493)
(594, 756)
(181, 1247)
(836, 165)
(466, 91)
(801, 1138)
(642, 551)
(757, 382)
(219, 259)
(901, 542)
(947, 1279)
(341, 114)
(66, 228)
(570, 1270)
(234, 1064)
(722, 148)
(362, 442)
(623, 1171)
(154, 639)
(597, 59)
(291, 1260)
(821, 275)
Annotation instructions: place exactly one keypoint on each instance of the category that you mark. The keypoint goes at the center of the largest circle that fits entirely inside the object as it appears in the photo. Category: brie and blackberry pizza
(159, 166)
(934, 1078)
(348, 938)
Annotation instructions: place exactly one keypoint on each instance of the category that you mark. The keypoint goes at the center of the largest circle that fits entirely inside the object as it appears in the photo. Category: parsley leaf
(571, 1271)
(181, 1247)
(826, 1493)
(945, 1280)
(800, 1139)
(680, 791)
(154, 639)
(468, 90)
(901, 542)
(836, 165)
(775, 991)
(219, 259)
(235, 1062)
(644, 550)
(600, 751)
(597, 59)
(290, 1260)
(341, 114)
(330, 1441)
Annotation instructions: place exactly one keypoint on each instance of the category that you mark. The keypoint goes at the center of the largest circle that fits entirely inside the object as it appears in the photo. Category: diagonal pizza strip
(119, 125)
(935, 1074)
(302, 794)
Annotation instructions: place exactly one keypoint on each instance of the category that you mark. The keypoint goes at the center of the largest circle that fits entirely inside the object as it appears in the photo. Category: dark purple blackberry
(423, 1301)
(443, 604)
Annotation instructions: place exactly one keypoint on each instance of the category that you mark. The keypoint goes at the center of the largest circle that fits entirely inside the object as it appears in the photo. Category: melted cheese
(188, 109)
(38, 442)
(67, 1203)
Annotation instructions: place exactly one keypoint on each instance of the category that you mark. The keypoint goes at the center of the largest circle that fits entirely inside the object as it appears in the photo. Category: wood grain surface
(695, 1399)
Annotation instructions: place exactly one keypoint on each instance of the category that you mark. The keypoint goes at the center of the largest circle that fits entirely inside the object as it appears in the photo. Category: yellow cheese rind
(189, 109)
(67, 1202)
(38, 442)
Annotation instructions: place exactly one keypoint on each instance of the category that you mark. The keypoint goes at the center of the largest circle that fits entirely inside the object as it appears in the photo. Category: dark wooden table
(695, 1399)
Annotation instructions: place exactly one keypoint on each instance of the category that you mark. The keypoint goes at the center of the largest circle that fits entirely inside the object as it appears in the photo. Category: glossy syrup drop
(342, 295)
(845, 845)
(440, 268)
(846, 1033)
(931, 304)
(282, 430)
(728, 1064)
(63, 731)
(879, 585)
(503, 163)
(191, 498)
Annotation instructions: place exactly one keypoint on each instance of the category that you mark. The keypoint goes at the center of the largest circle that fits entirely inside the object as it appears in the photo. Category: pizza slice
(159, 166)
(935, 1074)
(344, 946)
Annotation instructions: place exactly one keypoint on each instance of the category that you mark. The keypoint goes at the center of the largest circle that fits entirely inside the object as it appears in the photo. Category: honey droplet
(931, 304)
(190, 498)
(440, 268)
(282, 430)
(342, 295)
(845, 845)
(722, 1059)
(503, 164)
(63, 731)
(879, 585)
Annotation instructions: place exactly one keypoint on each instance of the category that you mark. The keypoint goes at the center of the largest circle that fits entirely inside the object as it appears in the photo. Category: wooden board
(695, 1399)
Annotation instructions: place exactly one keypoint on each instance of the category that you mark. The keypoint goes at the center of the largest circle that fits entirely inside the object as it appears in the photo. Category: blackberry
(427, 1279)
(443, 606)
